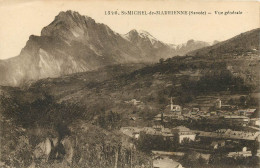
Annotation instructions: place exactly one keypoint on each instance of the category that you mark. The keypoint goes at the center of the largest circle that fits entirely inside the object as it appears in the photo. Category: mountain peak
(191, 41)
(71, 14)
(134, 35)
(141, 33)
(66, 23)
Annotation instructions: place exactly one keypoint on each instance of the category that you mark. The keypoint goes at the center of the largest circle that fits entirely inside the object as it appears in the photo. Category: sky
(21, 18)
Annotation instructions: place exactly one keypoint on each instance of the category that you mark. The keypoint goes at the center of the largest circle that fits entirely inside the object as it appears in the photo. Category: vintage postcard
(129, 84)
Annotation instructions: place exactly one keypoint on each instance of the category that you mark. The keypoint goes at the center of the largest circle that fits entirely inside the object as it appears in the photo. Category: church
(176, 109)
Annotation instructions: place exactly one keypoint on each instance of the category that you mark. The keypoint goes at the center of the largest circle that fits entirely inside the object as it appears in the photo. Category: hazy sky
(21, 18)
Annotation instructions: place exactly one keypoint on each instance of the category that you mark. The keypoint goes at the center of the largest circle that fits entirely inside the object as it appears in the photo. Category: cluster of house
(225, 112)
(229, 109)
(246, 55)
(244, 152)
(231, 134)
(183, 133)
(180, 133)
(174, 112)
(203, 142)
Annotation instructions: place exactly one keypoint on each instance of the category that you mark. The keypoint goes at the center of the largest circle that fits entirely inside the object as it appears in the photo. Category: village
(177, 131)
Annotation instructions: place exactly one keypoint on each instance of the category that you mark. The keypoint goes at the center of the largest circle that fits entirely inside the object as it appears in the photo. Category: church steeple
(171, 104)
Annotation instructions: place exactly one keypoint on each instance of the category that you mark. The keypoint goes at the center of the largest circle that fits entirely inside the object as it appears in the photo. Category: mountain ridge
(244, 42)
(74, 43)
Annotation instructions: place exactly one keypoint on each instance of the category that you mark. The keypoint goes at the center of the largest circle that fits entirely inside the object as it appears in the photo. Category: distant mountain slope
(243, 43)
(191, 45)
(75, 43)
(181, 76)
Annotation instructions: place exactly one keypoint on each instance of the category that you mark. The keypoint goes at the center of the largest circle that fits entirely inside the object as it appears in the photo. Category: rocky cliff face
(75, 43)
(71, 43)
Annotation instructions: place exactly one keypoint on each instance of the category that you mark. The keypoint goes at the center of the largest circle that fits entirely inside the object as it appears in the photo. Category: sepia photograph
(129, 84)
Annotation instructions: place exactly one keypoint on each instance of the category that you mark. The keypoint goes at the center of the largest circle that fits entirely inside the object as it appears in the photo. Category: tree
(161, 60)
(242, 100)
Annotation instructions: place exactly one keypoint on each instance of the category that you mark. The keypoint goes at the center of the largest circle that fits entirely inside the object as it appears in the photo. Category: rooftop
(181, 129)
(166, 163)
